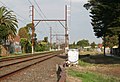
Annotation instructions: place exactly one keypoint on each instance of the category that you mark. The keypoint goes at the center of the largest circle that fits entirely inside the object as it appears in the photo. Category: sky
(79, 26)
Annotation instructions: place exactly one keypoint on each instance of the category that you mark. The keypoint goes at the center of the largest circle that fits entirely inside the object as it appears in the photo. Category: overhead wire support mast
(50, 38)
(66, 30)
(33, 29)
(59, 20)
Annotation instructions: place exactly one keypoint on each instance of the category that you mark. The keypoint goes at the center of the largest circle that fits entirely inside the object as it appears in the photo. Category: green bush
(39, 48)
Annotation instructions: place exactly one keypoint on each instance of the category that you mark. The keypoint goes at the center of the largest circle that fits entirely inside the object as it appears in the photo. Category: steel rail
(22, 61)
(22, 56)
(20, 69)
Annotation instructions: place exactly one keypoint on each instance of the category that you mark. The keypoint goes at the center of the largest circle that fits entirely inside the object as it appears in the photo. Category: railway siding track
(12, 62)
(15, 60)
(24, 56)
(11, 68)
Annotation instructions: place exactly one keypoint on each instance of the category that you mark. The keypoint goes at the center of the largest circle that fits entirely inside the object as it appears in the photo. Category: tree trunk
(104, 44)
(119, 44)
(23, 49)
(0, 50)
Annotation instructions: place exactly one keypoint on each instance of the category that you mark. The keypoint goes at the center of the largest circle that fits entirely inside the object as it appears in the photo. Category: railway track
(23, 56)
(15, 60)
(13, 66)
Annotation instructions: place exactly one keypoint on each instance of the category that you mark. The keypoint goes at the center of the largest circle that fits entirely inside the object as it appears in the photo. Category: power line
(22, 21)
(30, 2)
(43, 15)
(41, 12)
(14, 12)
(40, 9)
(34, 8)
(38, 13)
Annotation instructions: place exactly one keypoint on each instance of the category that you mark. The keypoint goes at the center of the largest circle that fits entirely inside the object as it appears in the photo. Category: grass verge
(82, 63)
(91, 77)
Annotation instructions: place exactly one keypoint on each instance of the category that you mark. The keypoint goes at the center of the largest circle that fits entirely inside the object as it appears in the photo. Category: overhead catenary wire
(15, 13)
(40, 9)
(42, 15)
(34, 7)
(37, 10)
(30, 2)
(41, 12)
(21, 21)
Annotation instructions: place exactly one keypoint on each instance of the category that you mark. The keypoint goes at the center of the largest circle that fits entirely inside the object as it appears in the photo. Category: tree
(41, 46)
(83, 43)
(105, 18)
(8, 25)
(73, 45)
(111, 41)
(93, 45)
(3, 34)
(23, 33)
(105, 15)
(46, 39)
(23, 43)
(25, 36)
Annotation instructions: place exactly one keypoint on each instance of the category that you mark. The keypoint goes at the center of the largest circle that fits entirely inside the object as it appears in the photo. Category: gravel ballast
(41, 72)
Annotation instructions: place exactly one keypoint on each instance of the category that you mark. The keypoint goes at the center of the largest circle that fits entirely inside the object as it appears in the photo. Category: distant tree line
(82, 43)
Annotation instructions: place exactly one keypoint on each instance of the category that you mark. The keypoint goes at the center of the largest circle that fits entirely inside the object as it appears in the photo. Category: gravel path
(42, 72)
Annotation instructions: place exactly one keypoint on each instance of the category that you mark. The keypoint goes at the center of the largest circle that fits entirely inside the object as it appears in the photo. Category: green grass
(82, 63)
(90, 52)
(91, 77)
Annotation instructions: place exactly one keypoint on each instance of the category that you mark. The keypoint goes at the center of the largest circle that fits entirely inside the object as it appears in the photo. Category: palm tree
(8, 24)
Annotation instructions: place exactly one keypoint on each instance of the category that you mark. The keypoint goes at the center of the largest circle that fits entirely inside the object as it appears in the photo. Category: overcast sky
(79, 20)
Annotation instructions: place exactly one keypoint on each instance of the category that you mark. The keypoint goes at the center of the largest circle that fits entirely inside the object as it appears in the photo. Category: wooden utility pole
(33, 29)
